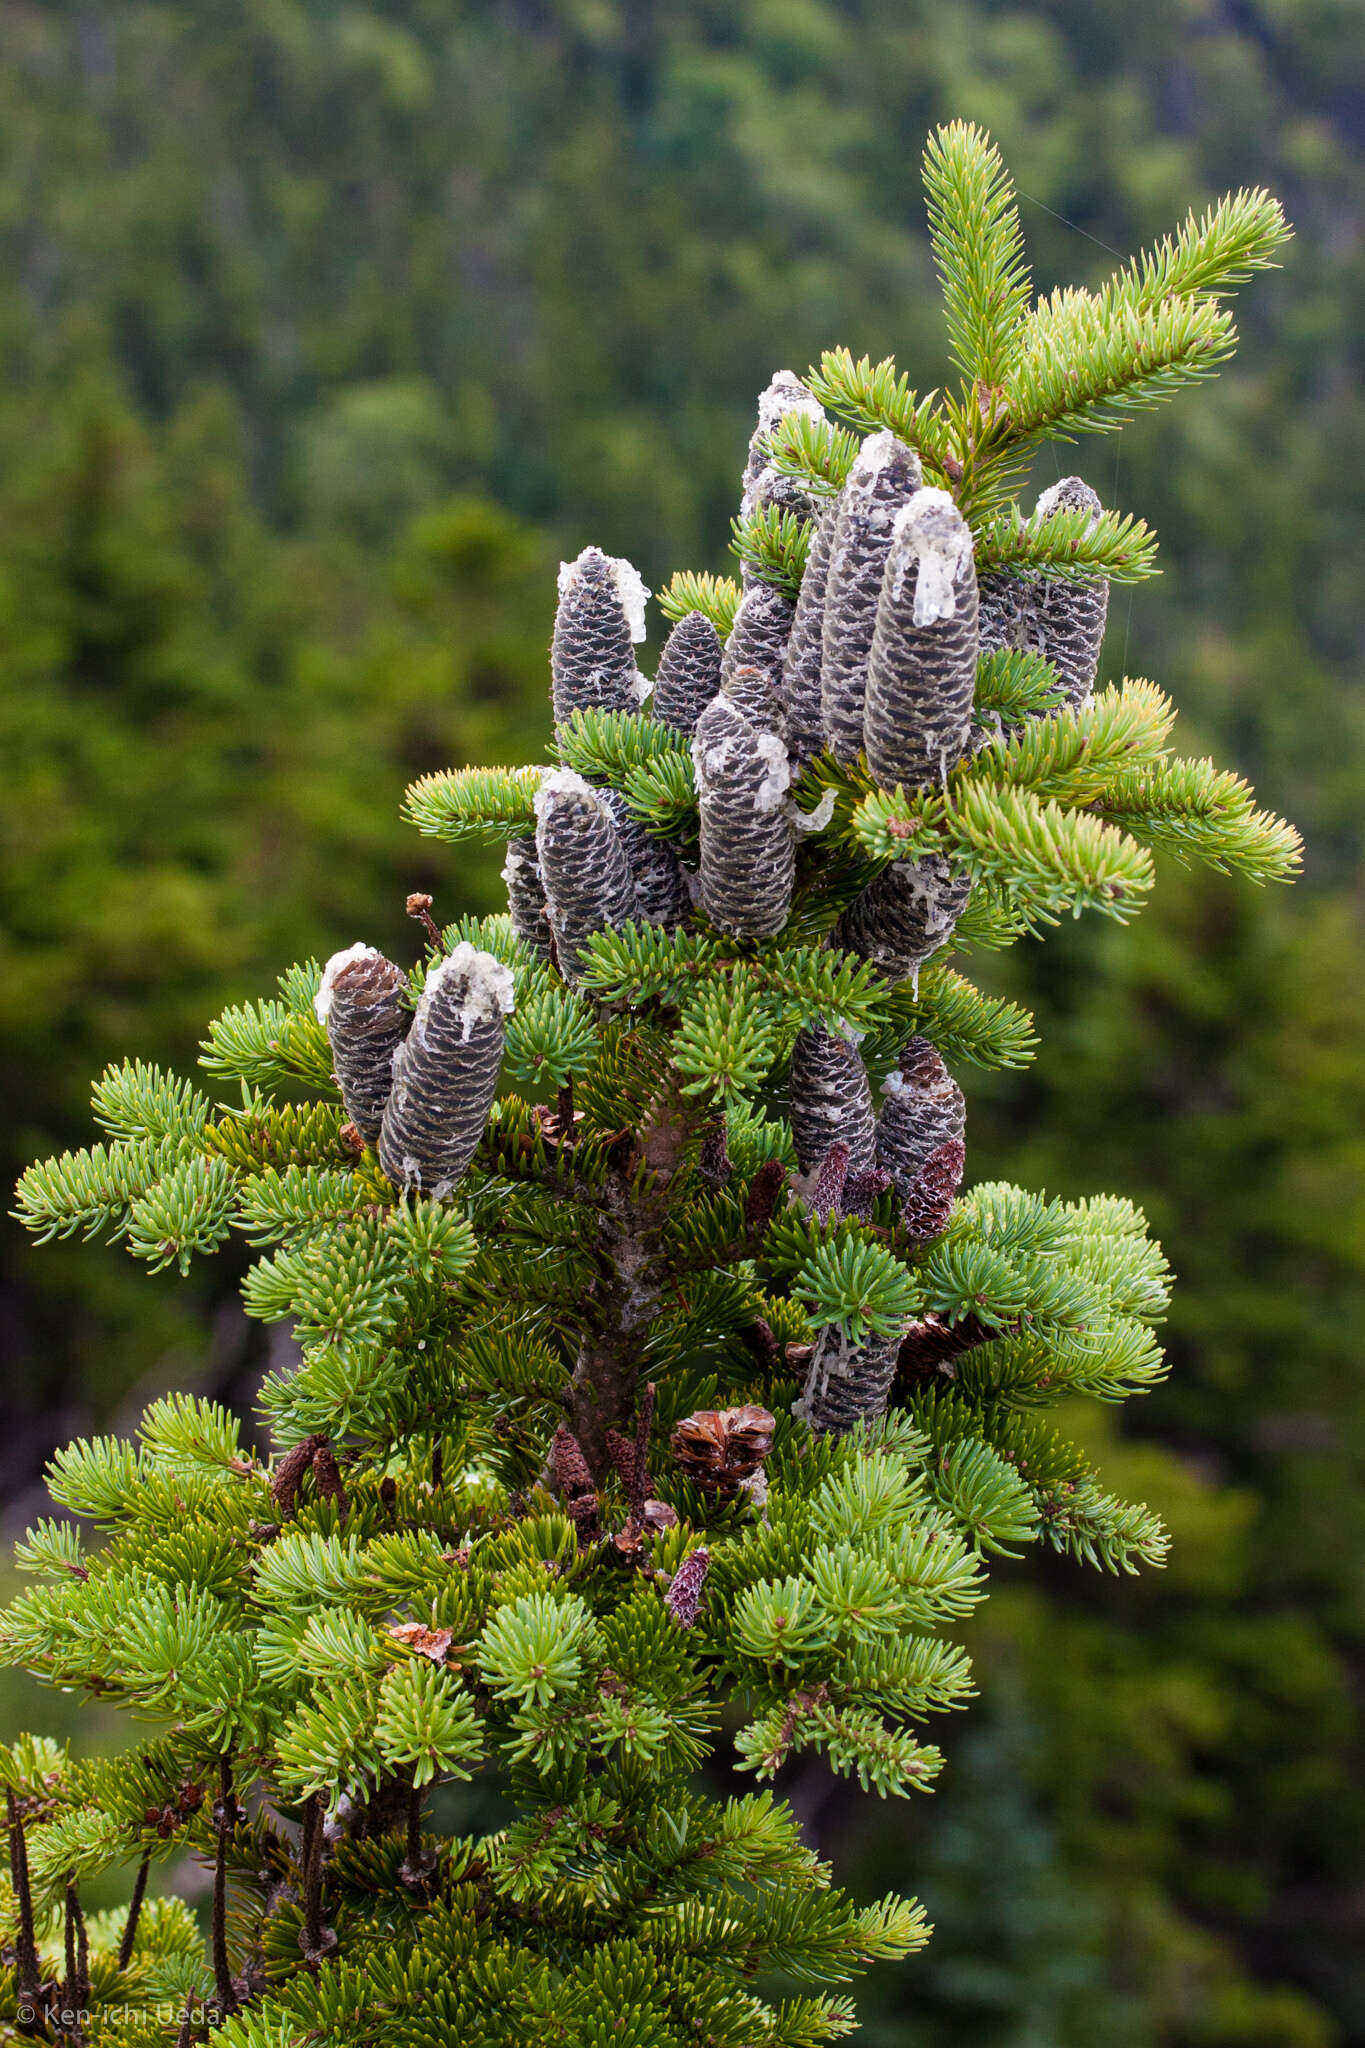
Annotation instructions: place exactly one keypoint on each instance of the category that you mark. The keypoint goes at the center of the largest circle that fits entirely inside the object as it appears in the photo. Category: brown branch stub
(129, 1935)
(225, 1816)
(418, 906)
(316, 1940)
(29, 1972)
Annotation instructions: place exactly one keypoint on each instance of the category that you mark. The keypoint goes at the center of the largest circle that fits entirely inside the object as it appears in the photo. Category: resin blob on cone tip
(446, 1073)
(921, 671)
(360, 1002)
(600, 616)
(588, 883)
(884, 477)
(748, 854)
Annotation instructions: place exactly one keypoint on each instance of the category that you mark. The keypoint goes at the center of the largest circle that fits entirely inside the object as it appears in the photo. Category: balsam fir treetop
(682, 1377)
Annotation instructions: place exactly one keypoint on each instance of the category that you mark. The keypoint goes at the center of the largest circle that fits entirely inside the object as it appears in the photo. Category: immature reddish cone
(847, 1382)
(829, 1098)
(713, 1163)
(748, 857)
(861, 1191)
(601, 615)
(881, 482)
(826, 1198)
(904, 915)
(360, 1002)
(927, 1206)
(688, 675)
(526, 895)
(683, 1598)
(660, 892)
(921, 671)
(588, 883)
(719, 1450)
(288, 1474)
(802, 659)
(1061, 619)
(761, 1200)
(758, 640)
(327, 1475)
(446, 1074)
(922, 1109)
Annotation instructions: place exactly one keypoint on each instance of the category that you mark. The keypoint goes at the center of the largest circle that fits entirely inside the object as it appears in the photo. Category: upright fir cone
(923, 1109)
(360, 1002)
(688, 675)
(748, 856)
(903, 916)
(830, 1100)
(927, 1206)
(883, 479)
(601, 614)
(801, 663)
(751, 692)
(660, 892)
(785, 393)
(526, 895)
(758, 640)
(847, 1383)
(1062, 620)
(921, 671)
(683, 1598)
(446, 1075)
(588, 883)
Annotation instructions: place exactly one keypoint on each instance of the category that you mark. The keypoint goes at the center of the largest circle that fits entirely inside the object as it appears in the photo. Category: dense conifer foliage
(685, 1376)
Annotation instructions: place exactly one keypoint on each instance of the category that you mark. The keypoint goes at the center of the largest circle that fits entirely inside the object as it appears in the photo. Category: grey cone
(847, 1383)
(526, 895)
(751, 692)
(881, 482)
(801, 662)
(748, 857)
(588, 883)
(829, 1098)
(660, 892)
(688, 675)
(360, 1002)
(921, 671)
(922, 1108)
(446, 1073)
(903, 916)
(758, 638)
(599, 617)
(784, 394)
(1053, 616)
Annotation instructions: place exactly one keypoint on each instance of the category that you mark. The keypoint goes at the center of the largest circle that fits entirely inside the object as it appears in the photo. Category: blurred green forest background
(326, 330)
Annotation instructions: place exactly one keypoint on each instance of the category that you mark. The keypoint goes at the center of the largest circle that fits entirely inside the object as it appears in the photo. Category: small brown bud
(683, 1598)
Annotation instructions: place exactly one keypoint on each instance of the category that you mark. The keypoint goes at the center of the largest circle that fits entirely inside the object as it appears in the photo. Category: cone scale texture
(689, 672)
(921, 671)
(599, 618)
(446, 1075)
(360, 1002)
(830, 1101)
(589, 886)
(881, 482)
(922, 1109)
(748, 857)
(905, 915)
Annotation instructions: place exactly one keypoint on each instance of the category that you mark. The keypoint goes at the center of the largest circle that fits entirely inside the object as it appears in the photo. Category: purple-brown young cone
(688, 675)
(883, 479)
(683, 1598)
(360, 1003)
(921, 671)
(927, 1206)
(922, 1109)
(829, 1098)
(827, 1195)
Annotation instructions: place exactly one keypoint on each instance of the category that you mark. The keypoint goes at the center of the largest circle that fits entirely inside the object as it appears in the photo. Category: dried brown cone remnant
(922, 1109)
(600, 616)
(660, 891)
(683, 1598)
(360, 1002)
(588, 882)
(1061, 619)
(572, 1475)
(847, 1382)
(802, 660)
(526, 895)
(447, 1073)
(758, 640)
(713, 1163)
(314, 1454)
(719, 1451)
(906, 914)
(688, 675)
(829, 1099)
(748, 857)
(762, 1198)
(932, 1346)
(927, 1205)
(921, 671)
(884, 477)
